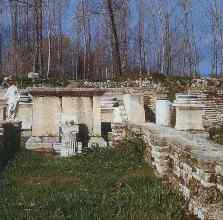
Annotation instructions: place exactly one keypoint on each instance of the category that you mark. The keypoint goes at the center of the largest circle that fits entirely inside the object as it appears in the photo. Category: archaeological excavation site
(111, 110)
(180, 140)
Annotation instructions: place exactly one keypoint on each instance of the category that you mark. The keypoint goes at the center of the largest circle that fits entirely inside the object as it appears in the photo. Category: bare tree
(1, 39)
(113, 25)
(216, 22)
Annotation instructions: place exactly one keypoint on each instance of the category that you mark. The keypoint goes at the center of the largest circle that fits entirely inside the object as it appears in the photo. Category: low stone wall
(213, 111)
(190, 161)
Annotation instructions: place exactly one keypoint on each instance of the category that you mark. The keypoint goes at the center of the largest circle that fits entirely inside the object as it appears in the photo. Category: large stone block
(163, 112)
(24, 114)
(81, 108)
(97, 116)
(134, 106)
(189, 119)
(97, 142)
(189, 112)
(46, 116)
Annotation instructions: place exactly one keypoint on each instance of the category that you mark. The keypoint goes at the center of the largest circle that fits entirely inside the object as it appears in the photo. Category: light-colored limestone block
(33, 143)
(134, 106)
(97, 142)
(80, 108)
(189, 112)
(46, 116)
(189, 119)
(117, 116)
(163, 112)
(106, 116)
(24, 114)
(96, 116)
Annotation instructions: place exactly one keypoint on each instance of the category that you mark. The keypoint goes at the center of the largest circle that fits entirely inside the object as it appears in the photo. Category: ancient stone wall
(189, 161)
(213, 111)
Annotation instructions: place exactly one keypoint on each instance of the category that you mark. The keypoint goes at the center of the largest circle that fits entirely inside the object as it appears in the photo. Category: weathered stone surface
(134, 106)
(192, 160)
(80, 108)
(96, 116)
(189, 112)
(97, 142)
(163, 112)
(33, 143)
(46, 116)
(24, 114)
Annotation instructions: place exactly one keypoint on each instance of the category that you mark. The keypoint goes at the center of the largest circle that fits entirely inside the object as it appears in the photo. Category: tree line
(110, 38)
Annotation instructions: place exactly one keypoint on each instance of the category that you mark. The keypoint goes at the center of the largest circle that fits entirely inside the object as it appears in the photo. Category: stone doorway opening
(105, 129)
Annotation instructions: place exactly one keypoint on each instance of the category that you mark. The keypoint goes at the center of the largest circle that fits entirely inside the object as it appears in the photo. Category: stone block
(97, 142)
(80, 108)
(25, 115)
(134, 106)
(189, 112)
(96, 116)
(34, 143)
(46, 116)
(163, 112)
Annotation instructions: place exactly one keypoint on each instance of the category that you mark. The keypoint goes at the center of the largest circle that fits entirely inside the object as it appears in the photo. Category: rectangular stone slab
(80, 108)
(46, 116)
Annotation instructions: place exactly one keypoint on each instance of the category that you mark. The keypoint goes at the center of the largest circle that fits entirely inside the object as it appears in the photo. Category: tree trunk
(115, 35)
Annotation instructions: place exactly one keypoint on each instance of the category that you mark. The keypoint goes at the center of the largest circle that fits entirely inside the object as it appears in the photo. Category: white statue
(12, 96)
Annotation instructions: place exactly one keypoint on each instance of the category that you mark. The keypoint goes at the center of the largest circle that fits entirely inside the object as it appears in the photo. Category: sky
(201, 27)
(199, 20)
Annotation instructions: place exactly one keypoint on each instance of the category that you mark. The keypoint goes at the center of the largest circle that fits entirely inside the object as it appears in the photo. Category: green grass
(106, 184)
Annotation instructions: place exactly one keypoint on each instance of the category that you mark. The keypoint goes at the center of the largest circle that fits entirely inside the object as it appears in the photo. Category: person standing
(12, 96)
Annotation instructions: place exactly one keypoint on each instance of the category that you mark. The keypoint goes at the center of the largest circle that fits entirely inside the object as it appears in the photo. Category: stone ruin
(182, 151)
(175, 134)
(67, 120)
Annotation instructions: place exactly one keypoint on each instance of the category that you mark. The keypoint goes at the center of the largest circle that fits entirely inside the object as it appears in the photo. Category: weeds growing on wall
(102, 184)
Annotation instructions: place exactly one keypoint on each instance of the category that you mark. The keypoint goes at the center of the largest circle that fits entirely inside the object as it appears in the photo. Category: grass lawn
(99, 184)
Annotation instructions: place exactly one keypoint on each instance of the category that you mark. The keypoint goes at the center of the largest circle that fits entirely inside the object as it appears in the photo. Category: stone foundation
(190, 161)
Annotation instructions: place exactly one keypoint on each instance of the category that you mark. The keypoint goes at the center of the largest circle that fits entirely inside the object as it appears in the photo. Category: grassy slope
(101, 184)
